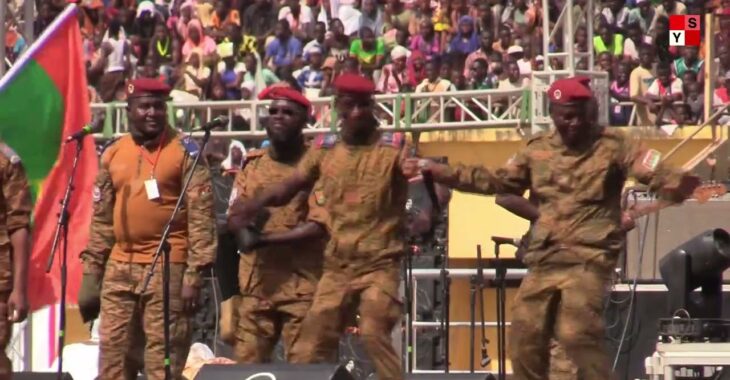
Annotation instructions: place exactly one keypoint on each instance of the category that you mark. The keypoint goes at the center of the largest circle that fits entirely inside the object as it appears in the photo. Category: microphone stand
(499, 282)
(481, 283)
(163, 249)
(442, 245)
(62, 230)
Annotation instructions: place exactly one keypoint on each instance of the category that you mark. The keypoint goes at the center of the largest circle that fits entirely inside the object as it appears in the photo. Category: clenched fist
(242, 213)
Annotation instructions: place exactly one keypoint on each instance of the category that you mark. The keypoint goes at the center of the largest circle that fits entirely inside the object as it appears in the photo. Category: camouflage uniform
(364, 194)
(277, 282)
(125, 231)
(575, 243)
(15, 209)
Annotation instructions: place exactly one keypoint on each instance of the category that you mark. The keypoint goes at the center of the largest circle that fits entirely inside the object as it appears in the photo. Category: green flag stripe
(31, 119)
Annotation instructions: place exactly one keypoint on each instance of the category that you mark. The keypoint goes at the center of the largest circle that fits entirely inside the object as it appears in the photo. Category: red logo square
(692, 38)
(692, 22)
(676, 22)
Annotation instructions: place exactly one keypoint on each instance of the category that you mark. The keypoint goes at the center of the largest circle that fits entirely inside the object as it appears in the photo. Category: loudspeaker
(40, 376)
(274, 372)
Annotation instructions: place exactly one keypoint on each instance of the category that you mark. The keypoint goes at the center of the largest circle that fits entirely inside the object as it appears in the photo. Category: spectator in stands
(521, 16)
(696, 101)
(486, 48)
(300, 18)
(505, 40)
(285, 49)
(663, 92)
(259, 20)
(336, 41)
(196, 75)
(116, 60)
(394, 78)
(722, 62)
(319, 32)
(671, 7)
(164, 51)
(371, 16)
(660, 39)
(620, 92)
(198, 40)
(616, 14)
(639, 83)
(416, 70)
(642, 15)
(230, 72)
(434, 81)
(222, 16)
(310, 78)
(479, 76)
(262, 77)
(689, 62)
(426, 41)
(581, 39)
(368, 50)
(722, 97)
(466, 39)
(396, 16)
(608, 40)
(632, 43)
(605, 63)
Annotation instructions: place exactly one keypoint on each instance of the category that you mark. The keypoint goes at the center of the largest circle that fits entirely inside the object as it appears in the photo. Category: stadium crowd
(231, 49)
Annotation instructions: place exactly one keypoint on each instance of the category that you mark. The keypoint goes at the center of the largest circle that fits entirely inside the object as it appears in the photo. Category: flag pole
(24, 58)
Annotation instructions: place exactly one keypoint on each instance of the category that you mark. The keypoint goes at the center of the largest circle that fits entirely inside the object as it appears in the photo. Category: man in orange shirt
(138, 185)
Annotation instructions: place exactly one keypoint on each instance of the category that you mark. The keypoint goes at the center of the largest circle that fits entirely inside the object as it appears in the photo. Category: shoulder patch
(650, 160)
(9, 153)
(253, 155)
(395, 140)
(190, 146)
(325, 141)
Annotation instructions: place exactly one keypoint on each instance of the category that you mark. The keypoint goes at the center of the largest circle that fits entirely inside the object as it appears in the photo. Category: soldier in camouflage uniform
(136, 190)
(358, 181)
(14, 249)
(278, 278)
(576, 173)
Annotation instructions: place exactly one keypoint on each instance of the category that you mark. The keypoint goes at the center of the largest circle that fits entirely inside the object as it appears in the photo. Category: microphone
(431, 190)
(504, 240)
(218, 122)
(96, 125)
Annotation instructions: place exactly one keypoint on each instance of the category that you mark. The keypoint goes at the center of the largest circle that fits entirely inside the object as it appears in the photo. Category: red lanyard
(147, 156)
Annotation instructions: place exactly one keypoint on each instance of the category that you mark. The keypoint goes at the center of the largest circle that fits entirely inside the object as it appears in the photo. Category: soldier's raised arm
(242, 212)
(513, 178)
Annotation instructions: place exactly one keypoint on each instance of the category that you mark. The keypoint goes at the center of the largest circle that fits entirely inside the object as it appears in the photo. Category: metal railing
(412, 111)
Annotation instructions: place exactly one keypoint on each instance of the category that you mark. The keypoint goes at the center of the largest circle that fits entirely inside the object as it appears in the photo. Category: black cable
(630, 315)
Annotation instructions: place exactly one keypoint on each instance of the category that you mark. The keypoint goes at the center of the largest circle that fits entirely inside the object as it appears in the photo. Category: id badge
(153, 192)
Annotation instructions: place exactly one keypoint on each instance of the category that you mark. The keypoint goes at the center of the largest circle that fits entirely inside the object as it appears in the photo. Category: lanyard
(147, 156)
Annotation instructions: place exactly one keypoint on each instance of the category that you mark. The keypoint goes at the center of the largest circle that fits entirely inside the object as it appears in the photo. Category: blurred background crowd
(216, 50)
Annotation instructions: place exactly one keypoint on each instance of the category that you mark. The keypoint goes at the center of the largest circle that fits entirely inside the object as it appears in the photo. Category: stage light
(698, 263)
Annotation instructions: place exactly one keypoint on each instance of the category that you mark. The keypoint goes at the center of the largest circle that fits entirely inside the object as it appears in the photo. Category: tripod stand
(62, 230)
(163, 249)
(477, 285)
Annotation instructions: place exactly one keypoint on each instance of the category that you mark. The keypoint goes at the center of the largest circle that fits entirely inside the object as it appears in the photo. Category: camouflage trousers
(6, 329)
(339, 293)
(565, 303)
(132, 322)
(260, 325)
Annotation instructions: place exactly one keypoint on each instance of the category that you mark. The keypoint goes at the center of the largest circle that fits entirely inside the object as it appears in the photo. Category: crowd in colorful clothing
(232, 49)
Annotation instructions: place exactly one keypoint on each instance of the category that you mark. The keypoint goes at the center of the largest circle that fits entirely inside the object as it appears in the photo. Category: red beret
(284, 93)
(568, 90)
(354, 84)
(584, 80)
(147, 87)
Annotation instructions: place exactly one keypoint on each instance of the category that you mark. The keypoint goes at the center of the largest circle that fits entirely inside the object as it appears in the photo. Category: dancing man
(576, 174)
